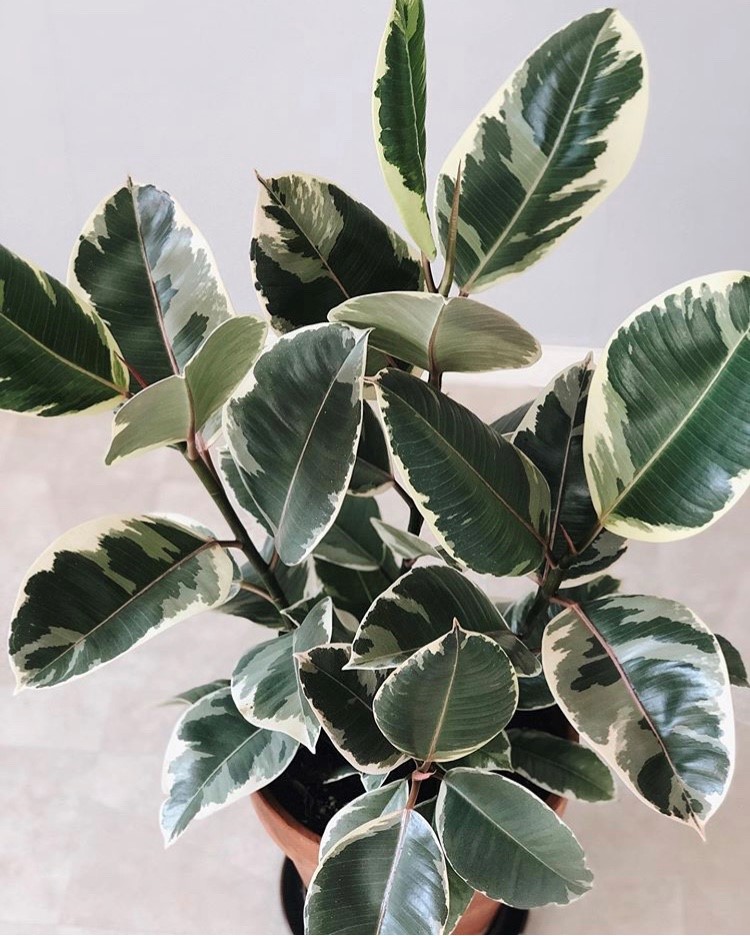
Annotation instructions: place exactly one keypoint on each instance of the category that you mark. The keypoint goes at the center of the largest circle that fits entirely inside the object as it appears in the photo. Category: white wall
(192, 94)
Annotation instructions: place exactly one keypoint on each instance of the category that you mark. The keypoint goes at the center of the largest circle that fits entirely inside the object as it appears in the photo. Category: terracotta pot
(301, 845)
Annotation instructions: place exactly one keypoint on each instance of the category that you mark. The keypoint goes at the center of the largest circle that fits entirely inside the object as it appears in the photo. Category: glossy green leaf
(363, 809)
(644, 682)
(554, 141)
(551, 435)
(735, 664)
(494, 755)
(342, 700)
(294, 428)
(352, 541)
(402, 543)
(105, 587)
(398, 114)
(438, 334)
(419, 608)
(484, 500)
(507, 843)
(221, 363)
(387, 876)
(534, 693)
(314, 246)
(56, 355)
(560, 766)
(151, 276)
(372, 466)
(239, 483)
(215, 758)
(430, 707)
(265, 684)
(157, 416)
(667, 435)
(506, 425)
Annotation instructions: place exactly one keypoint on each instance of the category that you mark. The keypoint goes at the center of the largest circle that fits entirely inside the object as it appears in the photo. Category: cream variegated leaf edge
(613, 151)
(154, 549)
(398, 117)
(621, 738)
(612, 473)
(214, 758)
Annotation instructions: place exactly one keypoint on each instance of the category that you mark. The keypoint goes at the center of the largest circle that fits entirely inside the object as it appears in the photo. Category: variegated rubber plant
(377, 638)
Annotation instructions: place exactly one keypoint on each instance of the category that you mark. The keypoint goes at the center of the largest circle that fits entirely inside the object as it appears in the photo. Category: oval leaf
(352, 541)
(265, 683)
(108, 585)
(314, 246)
(645, 683)
(293, 428)
(507, 843)
(399, 102)
(363, 809)
(439, 334)
(342, 700)
(151, 276)
(372, 467)
(56, 355)
(667, 435)
(560, 766)
(157, 416)
(555, 140)
(551, 435)
(735, 664)
(214, 758)
(429, 707)
(484, 500)
(420, 607)
(385, 877)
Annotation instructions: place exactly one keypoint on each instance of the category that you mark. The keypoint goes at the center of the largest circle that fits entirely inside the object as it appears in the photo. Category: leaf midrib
(531, 192)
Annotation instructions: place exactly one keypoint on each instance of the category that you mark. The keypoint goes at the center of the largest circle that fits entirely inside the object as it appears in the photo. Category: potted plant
(408, 740)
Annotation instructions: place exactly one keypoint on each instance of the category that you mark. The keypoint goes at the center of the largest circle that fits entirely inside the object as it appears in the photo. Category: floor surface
(80, 848)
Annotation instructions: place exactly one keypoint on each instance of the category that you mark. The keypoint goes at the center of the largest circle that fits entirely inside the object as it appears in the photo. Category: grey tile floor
(80, 849)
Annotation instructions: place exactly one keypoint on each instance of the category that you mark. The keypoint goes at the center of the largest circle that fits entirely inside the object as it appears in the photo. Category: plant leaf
(506, 425)
(372, 466)
(560, 766)
(486, 503)
(363, 809)
(555, 140)
(191, 696)
(221, 362)
(551, 435)
(105, 587)
(151, 276)
(386, 877)
(56, 355)
(265, 683)
(429, 706)
(507, 843)
(214, 758)
(157, 416)
(314, 246)
(419, 608)
(351, 541)
(644, 683)
(735, 664)
(294, 428)
(494, 755)
(402, 543)
(399, 101)
(534, 693)
(238, 481)
(440, 334)
(342, 700)
(667, 435)
(459, 898)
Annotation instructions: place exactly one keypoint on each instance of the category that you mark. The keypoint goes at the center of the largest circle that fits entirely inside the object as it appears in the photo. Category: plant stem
(428, 278)
(536, 619)
(208, 477)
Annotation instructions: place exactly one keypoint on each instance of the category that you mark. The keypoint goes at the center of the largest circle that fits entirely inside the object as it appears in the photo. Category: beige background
(80, 848)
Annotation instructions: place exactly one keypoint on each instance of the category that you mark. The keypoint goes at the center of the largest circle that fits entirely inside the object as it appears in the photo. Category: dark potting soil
(306, 791)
